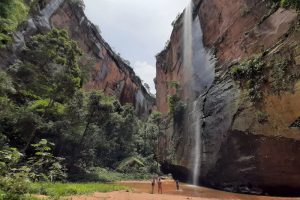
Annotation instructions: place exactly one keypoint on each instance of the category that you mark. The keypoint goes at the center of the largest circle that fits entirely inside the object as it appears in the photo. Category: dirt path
(141, 191)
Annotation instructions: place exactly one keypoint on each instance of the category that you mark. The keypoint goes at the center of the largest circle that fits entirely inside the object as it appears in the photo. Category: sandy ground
(141, 191)
(122, 195)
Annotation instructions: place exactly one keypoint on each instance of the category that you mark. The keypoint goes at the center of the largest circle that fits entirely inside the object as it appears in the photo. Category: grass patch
(67, 189)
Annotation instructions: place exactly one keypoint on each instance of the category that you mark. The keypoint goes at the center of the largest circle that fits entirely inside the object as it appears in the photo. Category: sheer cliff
(250, 113)
(110, 73)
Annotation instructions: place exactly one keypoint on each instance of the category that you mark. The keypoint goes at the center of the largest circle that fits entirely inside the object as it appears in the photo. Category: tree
(46, 77)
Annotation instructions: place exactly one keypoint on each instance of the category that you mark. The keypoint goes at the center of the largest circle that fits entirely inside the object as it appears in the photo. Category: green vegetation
(274, 73)
(43, 165)
(251, 73)
(290, 4)
(172, 102)
(13, 181)
(67, 189)
(262, 117)
(176, 106)
(60, 132)
(280, 78)
(294, 4)
(12, 13)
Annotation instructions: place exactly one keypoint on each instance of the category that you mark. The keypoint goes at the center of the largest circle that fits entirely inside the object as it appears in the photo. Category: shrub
(249, 69)
(13, 180)
(250, 73)
(9, 157)
(14, 187)
(45, 166)
(172, 101)
(281, 81)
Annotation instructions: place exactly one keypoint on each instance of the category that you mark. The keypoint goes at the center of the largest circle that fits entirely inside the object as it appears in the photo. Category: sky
(137, 29)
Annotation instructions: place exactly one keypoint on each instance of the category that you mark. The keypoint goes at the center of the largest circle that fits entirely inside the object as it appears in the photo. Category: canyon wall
(110, 73)
(247, 145)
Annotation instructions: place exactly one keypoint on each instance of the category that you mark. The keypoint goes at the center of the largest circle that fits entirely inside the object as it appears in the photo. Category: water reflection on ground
(186, 190)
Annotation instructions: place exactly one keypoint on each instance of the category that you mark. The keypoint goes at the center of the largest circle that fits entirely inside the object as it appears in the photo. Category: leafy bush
(250, 73)
(172, 101)
(280, 79)
(14, 187)
(9, 158)
(6, 84)
(248, 69)
(44, 166)
(13, 179)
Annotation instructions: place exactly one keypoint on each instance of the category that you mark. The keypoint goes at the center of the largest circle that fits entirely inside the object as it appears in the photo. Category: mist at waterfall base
(198, 75)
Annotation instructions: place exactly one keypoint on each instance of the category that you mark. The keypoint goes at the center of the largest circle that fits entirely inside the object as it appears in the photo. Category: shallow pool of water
(169, 187)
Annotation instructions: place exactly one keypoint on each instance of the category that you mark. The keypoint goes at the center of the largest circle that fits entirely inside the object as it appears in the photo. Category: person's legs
(159, 189)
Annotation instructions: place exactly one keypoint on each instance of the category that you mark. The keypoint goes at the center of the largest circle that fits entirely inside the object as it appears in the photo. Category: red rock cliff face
(239, 152)
(109, 72)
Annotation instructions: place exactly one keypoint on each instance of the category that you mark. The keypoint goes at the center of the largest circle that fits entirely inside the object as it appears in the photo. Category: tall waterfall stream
(199, 73)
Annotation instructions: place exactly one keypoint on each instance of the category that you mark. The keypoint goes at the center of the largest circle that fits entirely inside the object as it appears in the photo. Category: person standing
(153, 184)
(159, 183)
(177, 184)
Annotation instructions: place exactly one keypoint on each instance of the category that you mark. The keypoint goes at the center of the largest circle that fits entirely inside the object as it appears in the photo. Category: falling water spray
(198, 75)
(189, 76)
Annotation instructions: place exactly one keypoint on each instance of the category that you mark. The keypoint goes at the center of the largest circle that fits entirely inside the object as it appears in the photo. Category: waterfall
(198, 75)
(188, 42)
(196, 115)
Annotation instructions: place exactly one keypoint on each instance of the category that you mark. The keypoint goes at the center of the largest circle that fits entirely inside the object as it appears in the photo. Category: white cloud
(146, 72)
(138, 29)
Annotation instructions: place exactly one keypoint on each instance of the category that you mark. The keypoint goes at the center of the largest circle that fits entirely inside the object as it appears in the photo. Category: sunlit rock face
(110, 73)
(239, 152)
